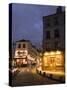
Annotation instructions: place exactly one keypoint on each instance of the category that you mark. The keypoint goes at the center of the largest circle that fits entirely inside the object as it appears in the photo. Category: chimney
(59, 9)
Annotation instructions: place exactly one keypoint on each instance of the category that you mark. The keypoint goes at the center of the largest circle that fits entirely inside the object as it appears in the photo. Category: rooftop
(58, 12)
(23, 40)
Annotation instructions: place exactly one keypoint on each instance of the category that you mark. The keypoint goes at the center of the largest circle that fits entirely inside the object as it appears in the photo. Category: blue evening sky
(27, 21)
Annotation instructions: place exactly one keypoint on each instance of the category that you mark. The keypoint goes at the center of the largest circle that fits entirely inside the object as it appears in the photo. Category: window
(47, 34)
(48, 24)
(56, 22)
(19, 46)
(24, 45)
(56, 33)
(56, 45)
(47, 46)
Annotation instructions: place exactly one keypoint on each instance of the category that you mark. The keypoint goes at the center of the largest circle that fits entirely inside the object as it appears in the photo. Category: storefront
(53, 60)
(20, 57)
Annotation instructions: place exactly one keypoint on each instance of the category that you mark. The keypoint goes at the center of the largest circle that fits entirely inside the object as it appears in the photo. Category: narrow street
(28, 76)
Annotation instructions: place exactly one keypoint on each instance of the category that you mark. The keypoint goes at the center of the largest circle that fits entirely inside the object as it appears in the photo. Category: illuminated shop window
(53, 59)
(59, 60)
(45, 61)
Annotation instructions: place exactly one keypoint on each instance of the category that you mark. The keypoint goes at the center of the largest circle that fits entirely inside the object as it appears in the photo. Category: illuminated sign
(21, 53)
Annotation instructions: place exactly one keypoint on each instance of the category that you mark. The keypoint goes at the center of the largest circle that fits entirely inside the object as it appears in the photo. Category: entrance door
(52, 63)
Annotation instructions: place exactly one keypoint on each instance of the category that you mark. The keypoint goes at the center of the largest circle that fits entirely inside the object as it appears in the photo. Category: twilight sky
(27, 21)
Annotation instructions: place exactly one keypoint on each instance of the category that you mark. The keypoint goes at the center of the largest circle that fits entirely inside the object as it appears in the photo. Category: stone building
(54, 40)
(25, 53)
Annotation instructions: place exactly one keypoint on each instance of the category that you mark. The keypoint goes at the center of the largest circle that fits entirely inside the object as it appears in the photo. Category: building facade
(54, 40)
(25, 53)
